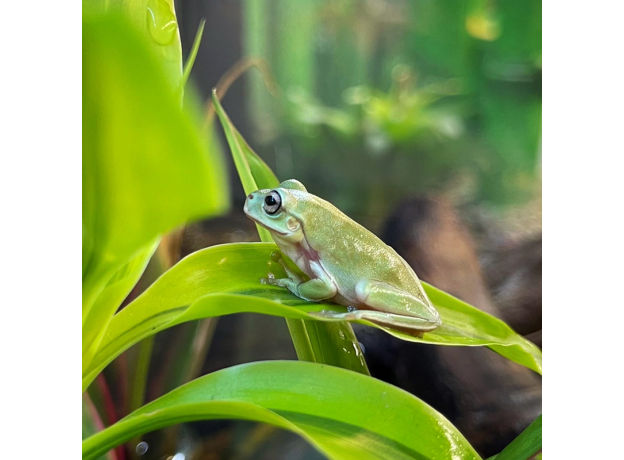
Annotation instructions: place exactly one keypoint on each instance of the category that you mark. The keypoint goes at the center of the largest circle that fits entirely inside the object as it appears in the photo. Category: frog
(345, 262)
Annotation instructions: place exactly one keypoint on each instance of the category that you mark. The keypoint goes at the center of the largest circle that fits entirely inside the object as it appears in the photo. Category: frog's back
(349, 252)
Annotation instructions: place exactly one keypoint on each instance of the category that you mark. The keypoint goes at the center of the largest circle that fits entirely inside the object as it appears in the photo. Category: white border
(583, 229)
(40, 229)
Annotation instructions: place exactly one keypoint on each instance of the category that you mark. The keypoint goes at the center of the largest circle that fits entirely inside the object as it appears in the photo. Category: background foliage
(421, 96)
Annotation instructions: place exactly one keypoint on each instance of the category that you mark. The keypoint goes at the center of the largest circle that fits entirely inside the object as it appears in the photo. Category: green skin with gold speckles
(346, 263)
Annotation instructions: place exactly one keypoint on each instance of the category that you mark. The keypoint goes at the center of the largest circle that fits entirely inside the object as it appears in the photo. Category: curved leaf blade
(321, 403)
(260, 176)
(109, 299)
(224, 279)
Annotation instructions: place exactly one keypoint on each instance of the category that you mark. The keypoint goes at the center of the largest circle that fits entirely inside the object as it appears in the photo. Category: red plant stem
(109, 408)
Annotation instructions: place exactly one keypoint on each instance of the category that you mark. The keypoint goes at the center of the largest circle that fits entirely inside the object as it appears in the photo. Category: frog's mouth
(272, 230)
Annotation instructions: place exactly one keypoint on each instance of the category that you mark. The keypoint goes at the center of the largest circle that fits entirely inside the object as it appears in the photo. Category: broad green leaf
(323, 404)
(526, 444)
(323, 343)
(225, 279)
(146, 165)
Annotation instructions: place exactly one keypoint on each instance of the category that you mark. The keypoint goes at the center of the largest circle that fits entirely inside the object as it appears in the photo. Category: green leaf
(526, 444)
(156, 23)
(146, 165)
(225, 279)
(465, 325)
(322, 343)
(117, 289)
(258, 177)
(193, 54)
(321, 403)
(263, 175)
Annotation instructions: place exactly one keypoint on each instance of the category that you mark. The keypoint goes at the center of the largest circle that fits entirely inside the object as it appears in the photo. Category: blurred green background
(377, 100)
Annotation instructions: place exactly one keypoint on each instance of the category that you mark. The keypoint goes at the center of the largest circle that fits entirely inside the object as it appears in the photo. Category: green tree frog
(346, 263)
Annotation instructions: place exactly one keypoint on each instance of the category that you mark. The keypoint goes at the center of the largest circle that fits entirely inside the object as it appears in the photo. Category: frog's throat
(305, 254)
(307, 249)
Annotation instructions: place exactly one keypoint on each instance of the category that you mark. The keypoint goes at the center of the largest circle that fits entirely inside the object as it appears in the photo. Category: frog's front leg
(319, 287)
(391, 307)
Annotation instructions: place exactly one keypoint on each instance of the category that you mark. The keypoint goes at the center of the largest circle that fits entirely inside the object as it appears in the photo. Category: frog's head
(272, 209)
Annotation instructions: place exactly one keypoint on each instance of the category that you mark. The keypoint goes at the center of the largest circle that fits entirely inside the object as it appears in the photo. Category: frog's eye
(272, 203)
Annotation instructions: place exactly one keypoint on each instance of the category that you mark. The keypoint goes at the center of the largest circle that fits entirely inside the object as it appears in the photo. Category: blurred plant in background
(422, 95)
(379, 146)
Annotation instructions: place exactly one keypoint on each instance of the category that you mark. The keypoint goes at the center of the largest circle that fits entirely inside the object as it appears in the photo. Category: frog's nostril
(251, 196)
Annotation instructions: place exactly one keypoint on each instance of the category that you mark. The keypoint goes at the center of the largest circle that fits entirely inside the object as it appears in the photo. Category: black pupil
(270, 200)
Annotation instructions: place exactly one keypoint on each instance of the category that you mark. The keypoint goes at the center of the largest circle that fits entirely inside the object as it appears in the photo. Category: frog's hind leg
(411, 326)
(394, 307)
(383, 304)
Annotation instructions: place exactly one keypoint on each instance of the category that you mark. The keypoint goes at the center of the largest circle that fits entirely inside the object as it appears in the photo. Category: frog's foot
(292, 279)
(291, 282)
(278, 257)
(395, 308)
(282, 282)
(316, 289)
